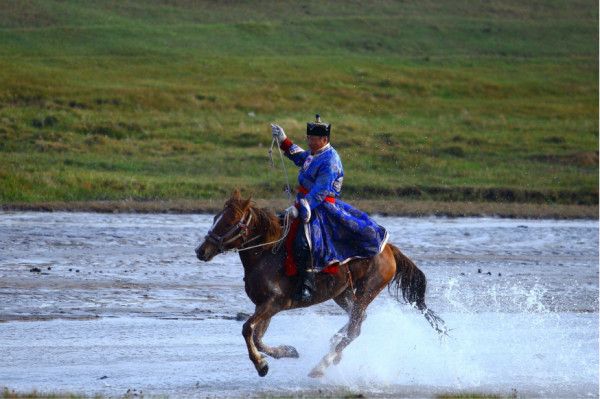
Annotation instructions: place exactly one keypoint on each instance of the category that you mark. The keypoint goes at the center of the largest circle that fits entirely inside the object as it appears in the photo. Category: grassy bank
(171, 101)
(380, 207)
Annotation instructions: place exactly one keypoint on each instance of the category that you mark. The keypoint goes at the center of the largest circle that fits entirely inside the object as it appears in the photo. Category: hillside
(172, 100)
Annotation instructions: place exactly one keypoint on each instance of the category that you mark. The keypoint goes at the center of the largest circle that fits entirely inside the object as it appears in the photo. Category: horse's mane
(267, 223)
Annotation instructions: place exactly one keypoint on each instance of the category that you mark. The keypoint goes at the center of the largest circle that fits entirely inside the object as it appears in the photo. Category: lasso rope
(288, 189)
(287, 221)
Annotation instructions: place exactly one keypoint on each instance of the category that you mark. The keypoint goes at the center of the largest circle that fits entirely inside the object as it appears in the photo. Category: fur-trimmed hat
(318, 128)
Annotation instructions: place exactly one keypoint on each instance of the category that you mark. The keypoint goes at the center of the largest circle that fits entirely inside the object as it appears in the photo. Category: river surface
(118, 304)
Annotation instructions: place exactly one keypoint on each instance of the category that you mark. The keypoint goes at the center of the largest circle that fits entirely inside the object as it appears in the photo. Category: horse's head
(229, 230)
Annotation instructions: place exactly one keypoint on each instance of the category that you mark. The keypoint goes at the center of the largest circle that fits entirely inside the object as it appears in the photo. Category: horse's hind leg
(347, 334)
(380, 273)
(352, 330)
(276, 352)
(346, 301)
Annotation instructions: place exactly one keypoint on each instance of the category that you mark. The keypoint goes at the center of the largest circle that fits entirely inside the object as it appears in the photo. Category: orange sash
(304, 191)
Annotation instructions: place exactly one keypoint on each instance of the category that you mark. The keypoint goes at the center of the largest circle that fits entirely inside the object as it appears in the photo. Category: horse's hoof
(290, 351)
(284, 351)
(263, 368)
(336, 339)
(337, 359)
(316, 373)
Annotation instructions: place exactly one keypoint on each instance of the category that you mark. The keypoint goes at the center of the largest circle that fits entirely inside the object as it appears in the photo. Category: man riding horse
(331, 231)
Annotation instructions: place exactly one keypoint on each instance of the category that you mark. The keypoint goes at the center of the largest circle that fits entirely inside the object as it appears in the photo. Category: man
(332, 231)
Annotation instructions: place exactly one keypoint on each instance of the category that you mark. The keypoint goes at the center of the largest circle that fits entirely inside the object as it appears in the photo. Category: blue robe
(337, 232)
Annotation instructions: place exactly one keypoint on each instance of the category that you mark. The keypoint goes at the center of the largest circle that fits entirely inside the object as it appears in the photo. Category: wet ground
(101, 303)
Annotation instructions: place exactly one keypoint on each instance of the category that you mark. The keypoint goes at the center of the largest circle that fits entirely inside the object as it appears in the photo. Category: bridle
(239, 230)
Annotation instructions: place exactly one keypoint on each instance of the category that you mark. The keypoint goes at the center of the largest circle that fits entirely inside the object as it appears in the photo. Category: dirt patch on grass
(583, 159)
(589, 158)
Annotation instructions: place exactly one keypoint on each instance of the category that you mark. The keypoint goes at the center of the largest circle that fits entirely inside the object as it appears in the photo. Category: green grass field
(172, 100)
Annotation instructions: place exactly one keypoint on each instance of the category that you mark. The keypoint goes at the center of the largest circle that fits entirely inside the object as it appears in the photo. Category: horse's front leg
(276, 352)
(263, 313)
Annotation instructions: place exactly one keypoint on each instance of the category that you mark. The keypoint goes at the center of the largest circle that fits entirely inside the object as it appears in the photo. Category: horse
(257, 234)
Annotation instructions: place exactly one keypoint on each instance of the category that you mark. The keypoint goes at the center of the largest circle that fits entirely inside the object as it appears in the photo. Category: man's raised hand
(278, 133)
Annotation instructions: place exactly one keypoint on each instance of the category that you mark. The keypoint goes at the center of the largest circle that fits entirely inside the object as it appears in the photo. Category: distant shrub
(454, 150)
(202, 97)
(108, 101)
(387, 138)
(48, 121)
(77, 105)
(108, 131)
(554, 140)
(119, 130)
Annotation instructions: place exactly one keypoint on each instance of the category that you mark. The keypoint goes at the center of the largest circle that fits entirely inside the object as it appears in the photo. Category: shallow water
(128, 300)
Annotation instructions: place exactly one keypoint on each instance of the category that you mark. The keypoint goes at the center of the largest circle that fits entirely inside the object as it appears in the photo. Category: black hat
(318, 128)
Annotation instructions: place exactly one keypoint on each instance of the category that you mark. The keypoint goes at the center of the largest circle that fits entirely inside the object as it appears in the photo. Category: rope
(351, 282)
(287, 219)
(288, 189)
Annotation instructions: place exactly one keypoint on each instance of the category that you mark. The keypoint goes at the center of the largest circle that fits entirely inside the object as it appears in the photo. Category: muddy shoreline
(380, 207)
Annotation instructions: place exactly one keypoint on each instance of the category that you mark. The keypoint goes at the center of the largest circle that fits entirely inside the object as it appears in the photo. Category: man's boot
(307, 286)
(306, 275)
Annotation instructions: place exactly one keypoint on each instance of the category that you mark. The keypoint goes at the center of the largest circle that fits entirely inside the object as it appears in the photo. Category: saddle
(289, 263)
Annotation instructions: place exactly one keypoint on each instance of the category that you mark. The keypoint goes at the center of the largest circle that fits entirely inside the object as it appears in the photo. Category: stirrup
(306, 285)
(306, 294)
(303, 294)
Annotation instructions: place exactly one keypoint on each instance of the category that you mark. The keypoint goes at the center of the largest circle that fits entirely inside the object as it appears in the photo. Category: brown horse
(257, 233)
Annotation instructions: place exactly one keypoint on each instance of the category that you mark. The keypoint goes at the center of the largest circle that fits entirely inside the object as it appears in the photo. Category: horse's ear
(248, 201)
(235, 195)
(245, 204)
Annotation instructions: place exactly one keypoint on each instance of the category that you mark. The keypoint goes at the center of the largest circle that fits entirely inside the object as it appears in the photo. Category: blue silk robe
(337, 232)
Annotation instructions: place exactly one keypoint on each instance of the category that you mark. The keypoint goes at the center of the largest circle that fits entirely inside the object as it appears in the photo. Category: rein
(244, 227)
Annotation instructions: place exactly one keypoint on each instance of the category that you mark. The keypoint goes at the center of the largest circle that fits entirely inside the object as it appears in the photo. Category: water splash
(528, 351)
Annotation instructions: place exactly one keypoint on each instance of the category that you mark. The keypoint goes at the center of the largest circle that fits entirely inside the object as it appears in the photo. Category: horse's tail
(411, 281)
